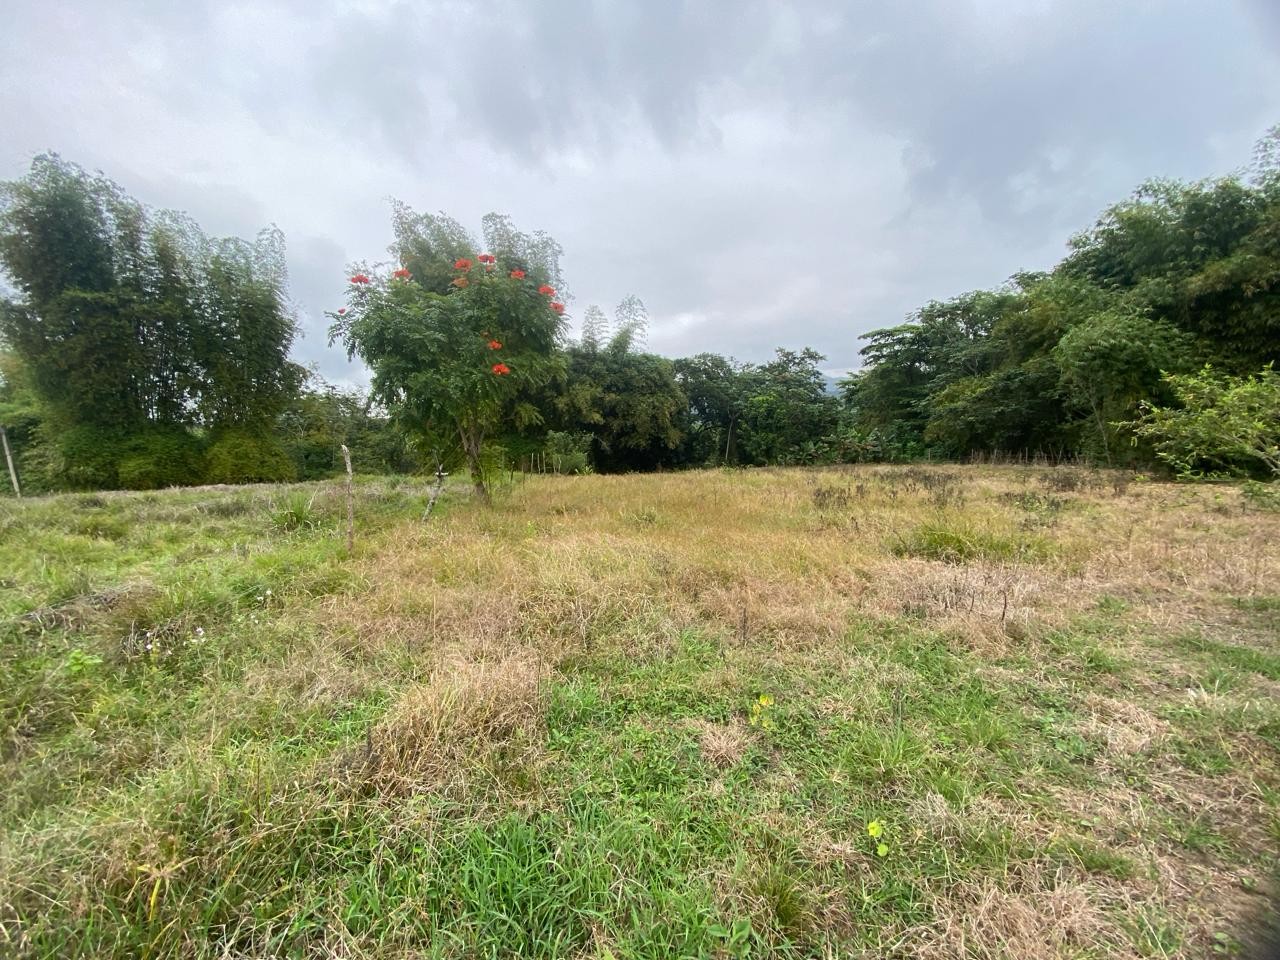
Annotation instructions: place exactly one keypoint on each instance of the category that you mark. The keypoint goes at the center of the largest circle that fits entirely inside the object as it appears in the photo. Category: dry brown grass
(488, 603)
(440, 730)
(721, 745)
(1035, 916)
(566, 564)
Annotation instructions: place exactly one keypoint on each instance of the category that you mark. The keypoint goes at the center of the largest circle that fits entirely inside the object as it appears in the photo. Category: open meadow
(988, 712)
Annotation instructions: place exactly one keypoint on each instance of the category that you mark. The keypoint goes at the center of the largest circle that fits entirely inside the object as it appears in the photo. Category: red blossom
(517, 274)
(402, 274)
(494, 345)
(486, 258)
(462, 263)
(460, 282)
(341, 311)
(360, 278)
(547, 291)
(558, 307)
(501, 369)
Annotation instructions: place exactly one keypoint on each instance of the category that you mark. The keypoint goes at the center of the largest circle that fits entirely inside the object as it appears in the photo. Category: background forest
(138, 352)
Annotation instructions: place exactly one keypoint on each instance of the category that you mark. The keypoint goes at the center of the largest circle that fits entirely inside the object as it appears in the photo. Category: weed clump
(441, 728)
(829, 497)
(296, 511)
(955, 542)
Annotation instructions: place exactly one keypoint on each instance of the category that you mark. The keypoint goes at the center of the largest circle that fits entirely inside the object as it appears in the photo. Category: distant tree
(716, 390)
(629, 402)
(631, 322)
(595, 328)
(451, 357)
(21, 417)
(323, 417)
(942, 343)
(787, 411)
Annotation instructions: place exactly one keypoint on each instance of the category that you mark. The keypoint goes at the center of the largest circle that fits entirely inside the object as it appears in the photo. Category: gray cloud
(761, 174)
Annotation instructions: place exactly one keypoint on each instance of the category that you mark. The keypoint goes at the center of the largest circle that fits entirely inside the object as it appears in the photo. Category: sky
(761, 174)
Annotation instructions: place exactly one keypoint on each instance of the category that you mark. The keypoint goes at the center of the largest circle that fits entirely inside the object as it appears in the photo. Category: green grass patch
(963, 542)
(223, 736)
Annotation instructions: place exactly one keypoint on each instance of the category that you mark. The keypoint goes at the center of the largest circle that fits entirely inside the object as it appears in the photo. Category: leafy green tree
(136, 331)
(1204, 257)
(629, 402)
(451, 359)
(321, 418)
(243, 361)
(1112, 362)
(716, 390)
(1219, 423)
(788, 411)
(1174, 276)
(942, 343)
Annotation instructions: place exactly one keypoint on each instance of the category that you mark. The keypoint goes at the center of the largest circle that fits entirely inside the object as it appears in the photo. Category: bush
(84, 458)
(239, 456)
(162, 458)
(1223, 425)
(1262, 496)
(568, 452)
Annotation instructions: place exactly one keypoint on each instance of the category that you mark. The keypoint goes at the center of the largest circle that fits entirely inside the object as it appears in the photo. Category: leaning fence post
(351, 501)
(13, 474)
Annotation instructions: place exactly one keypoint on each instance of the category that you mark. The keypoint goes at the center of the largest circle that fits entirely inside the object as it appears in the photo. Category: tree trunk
(471, 444)
(1102, 430)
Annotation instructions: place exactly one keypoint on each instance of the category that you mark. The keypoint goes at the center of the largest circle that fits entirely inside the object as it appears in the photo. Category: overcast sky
(759, 173)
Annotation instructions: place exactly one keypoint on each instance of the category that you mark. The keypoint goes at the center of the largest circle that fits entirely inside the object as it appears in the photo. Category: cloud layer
(761, 174)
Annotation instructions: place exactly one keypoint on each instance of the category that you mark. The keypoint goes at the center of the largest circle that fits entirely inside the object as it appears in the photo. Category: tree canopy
(139, 336)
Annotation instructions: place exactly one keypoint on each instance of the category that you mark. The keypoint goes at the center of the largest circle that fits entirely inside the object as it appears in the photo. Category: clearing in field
(888, 712)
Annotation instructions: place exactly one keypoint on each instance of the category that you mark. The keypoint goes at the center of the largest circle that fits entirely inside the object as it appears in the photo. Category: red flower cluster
(486, 258)
(501, 369)
(558, 307)
(462, 263)
(360, 278)
(460, 282)
(517, 274)
(402, 274)
(494, 345)
(547, 291)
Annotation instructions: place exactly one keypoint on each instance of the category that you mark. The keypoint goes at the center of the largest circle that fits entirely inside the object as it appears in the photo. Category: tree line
(138, 352)
(1072, 361)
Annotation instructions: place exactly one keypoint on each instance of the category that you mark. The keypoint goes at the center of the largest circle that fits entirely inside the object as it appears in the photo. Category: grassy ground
(649, 716)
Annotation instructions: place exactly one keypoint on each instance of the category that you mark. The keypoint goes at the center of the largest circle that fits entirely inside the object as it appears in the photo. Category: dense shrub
(238, 456)
(162, 458)
(568, 452)
(83, 458)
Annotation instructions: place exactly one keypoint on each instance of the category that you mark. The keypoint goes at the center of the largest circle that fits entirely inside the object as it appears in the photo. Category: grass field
(879, 712)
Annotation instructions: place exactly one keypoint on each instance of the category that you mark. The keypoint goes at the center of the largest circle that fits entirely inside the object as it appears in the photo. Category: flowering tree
(452, 353)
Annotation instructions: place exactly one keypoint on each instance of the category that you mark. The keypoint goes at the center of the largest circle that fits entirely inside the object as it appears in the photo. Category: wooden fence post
(351, 501)
(8, 456)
